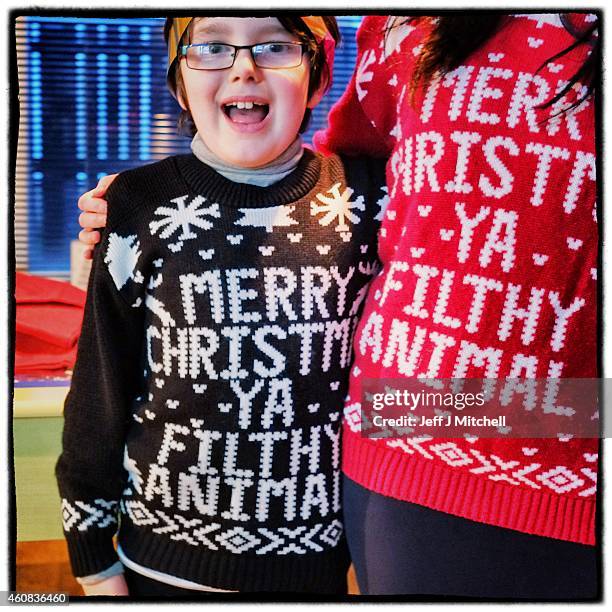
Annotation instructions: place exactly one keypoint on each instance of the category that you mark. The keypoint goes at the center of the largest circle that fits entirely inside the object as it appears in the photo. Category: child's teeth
(244, 105)
(248, 105)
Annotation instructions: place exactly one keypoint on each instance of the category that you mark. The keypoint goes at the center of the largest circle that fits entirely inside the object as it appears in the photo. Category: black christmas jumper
(202, 425)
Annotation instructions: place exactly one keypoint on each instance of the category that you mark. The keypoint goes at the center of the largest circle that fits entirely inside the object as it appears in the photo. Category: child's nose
(244, 65)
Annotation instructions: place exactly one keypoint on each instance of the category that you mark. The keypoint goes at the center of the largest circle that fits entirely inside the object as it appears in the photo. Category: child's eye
(278, 48)
(215, 48)
(278, 54)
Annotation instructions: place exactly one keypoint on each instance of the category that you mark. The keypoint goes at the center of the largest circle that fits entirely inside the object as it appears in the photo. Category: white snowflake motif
(363, 74)
(337, 206)
(183, 218)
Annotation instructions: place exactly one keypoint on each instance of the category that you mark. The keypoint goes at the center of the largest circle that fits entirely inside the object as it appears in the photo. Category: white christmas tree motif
(183, 218)
(337, 206)
(363, 74)
(121, 258)
(270, 217)
(542, 18)
(397, 32)
(134, 474)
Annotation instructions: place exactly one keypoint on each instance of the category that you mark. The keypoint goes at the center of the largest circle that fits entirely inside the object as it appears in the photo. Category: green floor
(38, 444)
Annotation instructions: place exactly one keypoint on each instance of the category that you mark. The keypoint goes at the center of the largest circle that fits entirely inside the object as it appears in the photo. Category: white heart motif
(294, 237)
(574, 243)
(446, 234)
(207, 254)
(423, 210)
(266, 250)
(534, 43)
(323, 249)
(495, 57)
(539, 259)
(529, 452)
(590, 457)
(416, 252)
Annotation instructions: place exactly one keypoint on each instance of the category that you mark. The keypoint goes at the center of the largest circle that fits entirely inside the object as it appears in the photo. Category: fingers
(89, 220)
(103, 184)
(93, 200)
(89, 237)
(89, 203)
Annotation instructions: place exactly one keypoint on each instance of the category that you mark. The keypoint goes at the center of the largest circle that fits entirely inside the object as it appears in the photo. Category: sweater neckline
(203, 179)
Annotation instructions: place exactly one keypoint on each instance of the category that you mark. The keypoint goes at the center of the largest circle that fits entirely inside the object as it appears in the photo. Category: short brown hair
(319, 68)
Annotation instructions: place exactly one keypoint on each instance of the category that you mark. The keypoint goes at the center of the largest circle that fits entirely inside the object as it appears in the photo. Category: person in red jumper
(489, 248)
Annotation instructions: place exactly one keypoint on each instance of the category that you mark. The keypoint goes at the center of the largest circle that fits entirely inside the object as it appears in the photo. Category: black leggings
(400, 548)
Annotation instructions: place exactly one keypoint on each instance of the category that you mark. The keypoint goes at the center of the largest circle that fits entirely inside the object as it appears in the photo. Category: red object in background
(48, 324)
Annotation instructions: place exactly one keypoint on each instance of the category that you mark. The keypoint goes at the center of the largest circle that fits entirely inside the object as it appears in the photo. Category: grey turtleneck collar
(263, 176)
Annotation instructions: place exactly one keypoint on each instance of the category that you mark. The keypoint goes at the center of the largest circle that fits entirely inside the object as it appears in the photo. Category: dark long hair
(454, 37)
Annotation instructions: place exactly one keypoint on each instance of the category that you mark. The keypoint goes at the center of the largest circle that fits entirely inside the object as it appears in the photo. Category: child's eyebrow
(220, 29)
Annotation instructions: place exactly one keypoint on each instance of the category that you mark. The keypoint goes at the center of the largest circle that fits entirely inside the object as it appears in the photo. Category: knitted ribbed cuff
(92, 553)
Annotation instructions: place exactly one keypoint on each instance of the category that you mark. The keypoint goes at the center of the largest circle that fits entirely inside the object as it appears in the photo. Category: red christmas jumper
(489, 249)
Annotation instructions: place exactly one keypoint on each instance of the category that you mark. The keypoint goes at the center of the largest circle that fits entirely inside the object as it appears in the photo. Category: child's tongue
(242, 115)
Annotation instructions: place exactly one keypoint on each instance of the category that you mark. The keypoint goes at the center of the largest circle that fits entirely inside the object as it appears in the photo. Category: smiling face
(246, 115)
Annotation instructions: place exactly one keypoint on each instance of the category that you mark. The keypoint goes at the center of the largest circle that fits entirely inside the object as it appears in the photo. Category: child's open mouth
(250, 112)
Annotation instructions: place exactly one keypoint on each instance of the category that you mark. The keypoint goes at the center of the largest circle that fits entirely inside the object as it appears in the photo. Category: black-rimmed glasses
(219, 56)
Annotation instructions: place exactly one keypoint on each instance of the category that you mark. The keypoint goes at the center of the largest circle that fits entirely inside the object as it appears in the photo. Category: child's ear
(319, 92)
(181, 101)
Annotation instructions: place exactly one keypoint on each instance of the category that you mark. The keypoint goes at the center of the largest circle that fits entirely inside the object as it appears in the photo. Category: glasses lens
(209, 56)
(278, 55)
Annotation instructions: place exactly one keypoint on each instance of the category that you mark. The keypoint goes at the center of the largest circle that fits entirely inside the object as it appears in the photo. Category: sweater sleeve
(352, 129)
(105, 381)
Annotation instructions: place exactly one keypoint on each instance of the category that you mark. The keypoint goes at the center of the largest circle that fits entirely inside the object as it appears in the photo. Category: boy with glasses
(206, 400)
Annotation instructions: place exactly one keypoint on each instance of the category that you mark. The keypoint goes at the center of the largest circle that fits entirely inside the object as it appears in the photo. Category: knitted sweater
(489, 249)
(204, 411)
